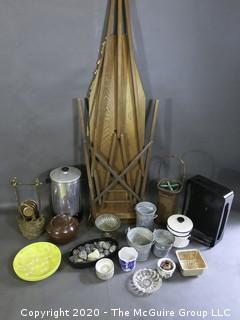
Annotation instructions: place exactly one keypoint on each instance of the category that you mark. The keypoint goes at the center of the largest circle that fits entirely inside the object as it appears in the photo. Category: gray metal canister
(145, 214)
(163, 242)
(65, 190)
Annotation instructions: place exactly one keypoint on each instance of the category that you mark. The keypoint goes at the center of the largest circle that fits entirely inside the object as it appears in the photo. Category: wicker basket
(168, 199)
(31, 229)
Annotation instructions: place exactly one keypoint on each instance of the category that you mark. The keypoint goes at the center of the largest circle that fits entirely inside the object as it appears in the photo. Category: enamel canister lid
(179, 224)
(65, 175)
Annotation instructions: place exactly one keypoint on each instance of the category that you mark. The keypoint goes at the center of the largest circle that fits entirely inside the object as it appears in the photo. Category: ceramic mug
(127, 258)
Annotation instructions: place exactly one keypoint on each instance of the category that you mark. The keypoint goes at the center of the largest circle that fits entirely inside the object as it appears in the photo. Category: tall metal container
(65, 190)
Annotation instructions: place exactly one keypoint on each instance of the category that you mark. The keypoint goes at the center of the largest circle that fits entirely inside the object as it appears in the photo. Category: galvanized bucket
(141, 239)
(168, 194)
(163, 242)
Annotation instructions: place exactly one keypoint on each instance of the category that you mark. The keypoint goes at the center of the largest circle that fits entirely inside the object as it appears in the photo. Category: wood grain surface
(116, 126)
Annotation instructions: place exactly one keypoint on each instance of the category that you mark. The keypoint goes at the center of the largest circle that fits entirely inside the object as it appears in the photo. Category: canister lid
(65, 174)
(180, 224)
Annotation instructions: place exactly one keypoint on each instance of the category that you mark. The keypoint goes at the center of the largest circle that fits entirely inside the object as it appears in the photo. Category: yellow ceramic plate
(37, 261)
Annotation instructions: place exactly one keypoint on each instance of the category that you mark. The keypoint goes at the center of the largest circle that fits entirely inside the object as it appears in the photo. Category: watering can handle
(182, 163)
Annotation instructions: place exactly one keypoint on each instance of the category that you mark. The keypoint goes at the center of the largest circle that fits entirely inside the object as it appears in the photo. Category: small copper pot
(62, 228)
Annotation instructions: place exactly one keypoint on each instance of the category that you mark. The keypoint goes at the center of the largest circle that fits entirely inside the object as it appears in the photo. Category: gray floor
(218, 288)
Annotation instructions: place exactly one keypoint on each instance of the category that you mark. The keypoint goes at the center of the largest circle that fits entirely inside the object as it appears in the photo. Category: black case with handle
(207, 204)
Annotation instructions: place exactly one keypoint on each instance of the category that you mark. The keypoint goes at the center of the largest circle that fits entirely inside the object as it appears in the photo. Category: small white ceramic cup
(127, 258)
(104, 269)
(165, 273)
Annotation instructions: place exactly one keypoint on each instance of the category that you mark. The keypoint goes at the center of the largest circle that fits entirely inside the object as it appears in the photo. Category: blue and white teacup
(127, 258)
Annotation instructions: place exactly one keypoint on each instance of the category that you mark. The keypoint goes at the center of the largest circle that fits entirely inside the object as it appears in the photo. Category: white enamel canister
(180, 226)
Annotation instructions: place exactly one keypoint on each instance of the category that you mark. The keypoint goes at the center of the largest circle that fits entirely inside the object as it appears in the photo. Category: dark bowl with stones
(86, 254)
